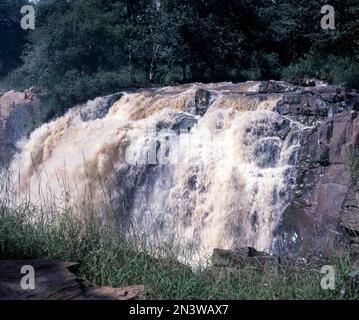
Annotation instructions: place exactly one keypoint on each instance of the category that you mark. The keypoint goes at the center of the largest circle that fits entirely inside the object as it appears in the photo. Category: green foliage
(347, 73)
(337, 70)
(353, 165)
(84, 48)
(12, 37)
(331, 55)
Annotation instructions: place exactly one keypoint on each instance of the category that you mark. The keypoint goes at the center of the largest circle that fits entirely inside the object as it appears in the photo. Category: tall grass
(107, 258)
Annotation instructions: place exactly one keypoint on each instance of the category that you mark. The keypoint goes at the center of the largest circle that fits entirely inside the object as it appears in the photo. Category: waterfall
(218, 175)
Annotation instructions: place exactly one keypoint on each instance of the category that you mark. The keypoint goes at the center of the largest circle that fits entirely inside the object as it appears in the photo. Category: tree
(84, 48)
(12, 37)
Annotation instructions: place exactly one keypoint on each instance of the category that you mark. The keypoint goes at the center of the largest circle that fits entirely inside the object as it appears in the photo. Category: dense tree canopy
(12, 37)
(83, 48)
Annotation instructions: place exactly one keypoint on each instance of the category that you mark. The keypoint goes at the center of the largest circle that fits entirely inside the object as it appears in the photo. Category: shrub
(348, 74)
(336, 70)
(353, 165)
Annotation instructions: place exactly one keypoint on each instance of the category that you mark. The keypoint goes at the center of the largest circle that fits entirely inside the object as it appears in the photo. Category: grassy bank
(111, 261)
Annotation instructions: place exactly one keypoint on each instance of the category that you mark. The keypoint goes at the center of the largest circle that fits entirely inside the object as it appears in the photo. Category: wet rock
(349, 218)
(242, 257)
(271, 86)
(267, 153)
(98, 108)
(180, 123)
(354, 103)
(303, 105)
(20, 113)
(322, 201)
(309, 83)
(202, 101)
(283, 129)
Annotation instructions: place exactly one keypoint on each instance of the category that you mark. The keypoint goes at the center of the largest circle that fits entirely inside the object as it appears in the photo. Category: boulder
(271, 86)
(8, 101)
(19, 115)
(309, 83)
(98, 108)
(242, 257)
(181, 122)
(56, 280)
(108, 293)
(202, 101)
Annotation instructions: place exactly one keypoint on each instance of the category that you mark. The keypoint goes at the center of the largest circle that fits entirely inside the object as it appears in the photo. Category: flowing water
(218, 180)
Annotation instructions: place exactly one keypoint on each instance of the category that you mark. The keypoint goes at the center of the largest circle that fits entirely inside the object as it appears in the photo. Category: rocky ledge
(55, 280)
(323, 215)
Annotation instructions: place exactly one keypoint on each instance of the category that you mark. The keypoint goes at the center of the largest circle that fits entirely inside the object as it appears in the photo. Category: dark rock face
(267, 153)
(202, 101)
(324, 204)
(180, 124)
(19, 115)
(303, 105)
(275, 87)
(98, 108)
(324, 200)
(242, 257)
(349, 218)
